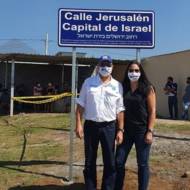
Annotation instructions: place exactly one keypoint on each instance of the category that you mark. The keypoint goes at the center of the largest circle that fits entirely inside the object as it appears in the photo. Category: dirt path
(169, 161)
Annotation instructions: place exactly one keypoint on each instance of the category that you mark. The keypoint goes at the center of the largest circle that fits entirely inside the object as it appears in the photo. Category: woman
(140, 105)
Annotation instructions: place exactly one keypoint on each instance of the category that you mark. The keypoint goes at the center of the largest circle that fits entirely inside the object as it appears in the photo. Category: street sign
(106, 28)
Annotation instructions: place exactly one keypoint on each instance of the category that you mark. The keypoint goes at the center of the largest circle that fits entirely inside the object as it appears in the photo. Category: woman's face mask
(134, 74)
(105, 71)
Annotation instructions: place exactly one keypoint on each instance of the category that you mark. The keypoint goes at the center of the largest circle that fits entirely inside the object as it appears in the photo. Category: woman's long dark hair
(144, 84)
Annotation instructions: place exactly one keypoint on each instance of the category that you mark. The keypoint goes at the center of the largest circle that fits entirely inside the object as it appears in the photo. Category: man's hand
(119, 137)
(79, 131)
(120, 129)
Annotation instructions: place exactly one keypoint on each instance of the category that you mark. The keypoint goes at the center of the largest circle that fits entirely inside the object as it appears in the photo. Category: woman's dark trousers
(142, 152)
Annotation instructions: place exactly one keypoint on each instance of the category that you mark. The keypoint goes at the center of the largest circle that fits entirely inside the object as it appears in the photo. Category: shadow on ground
(35, 173)
(75, 186)
(30, 163)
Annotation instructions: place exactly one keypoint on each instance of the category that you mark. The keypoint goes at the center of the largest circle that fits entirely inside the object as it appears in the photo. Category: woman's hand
(149, 137)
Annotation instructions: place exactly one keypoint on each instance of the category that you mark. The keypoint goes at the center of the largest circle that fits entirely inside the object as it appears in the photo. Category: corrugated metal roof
(168, 54)
(52, 59)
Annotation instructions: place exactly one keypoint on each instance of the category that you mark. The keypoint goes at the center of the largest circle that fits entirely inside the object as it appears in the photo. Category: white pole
(72, 113)
(46, 44)
(12, 87)
(138, 58)
(76, 78)
(6, 71)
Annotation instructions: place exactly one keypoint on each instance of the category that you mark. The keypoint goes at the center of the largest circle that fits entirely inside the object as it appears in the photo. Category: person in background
(1, 92)
(37, 91)
(1, 89)
(50, 90)
(139, 117)
(67, 99)
(101, 103)
(66, 87)
(20, 91)
(56, 89)
(171, 91)
(4, 102)
(186, 100)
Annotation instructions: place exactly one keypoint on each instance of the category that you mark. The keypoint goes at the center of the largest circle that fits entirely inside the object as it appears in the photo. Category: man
(186, 100)
(171, 91)
(101, 102)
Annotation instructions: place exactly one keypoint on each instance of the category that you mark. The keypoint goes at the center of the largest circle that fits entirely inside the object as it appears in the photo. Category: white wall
(158, 68)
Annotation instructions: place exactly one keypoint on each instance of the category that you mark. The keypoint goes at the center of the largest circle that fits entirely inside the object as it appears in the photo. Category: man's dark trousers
(103, 132)
(173, 106)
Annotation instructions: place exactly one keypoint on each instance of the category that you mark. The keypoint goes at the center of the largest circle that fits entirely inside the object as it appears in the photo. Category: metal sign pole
(72, 113)
(76, 79)
(12, 87)
(138, 58)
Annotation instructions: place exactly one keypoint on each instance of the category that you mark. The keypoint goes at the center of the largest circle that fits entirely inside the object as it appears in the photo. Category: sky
(30, 20)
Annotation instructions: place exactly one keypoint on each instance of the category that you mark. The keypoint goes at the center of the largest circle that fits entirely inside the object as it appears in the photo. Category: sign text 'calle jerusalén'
(106, 28)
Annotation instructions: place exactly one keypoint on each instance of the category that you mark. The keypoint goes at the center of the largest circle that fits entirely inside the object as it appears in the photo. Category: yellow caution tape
(51, 98)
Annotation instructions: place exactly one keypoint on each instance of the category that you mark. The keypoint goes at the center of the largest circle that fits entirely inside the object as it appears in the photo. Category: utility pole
(46, 44)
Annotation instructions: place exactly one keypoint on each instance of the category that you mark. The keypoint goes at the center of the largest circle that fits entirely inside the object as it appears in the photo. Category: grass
(45, 140)
(34, 126)
(173, 127)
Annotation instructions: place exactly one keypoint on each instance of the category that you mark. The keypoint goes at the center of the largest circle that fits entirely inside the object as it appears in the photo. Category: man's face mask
(105, 69)
(134, 74)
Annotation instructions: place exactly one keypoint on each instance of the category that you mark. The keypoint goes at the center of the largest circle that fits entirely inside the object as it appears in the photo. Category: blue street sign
(106, 28)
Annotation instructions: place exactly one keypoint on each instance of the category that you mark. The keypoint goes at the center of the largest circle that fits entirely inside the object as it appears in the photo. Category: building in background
(57, 69)
(158, 68)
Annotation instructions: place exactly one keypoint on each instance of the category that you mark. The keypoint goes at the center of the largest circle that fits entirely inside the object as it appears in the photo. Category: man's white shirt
(101, 102)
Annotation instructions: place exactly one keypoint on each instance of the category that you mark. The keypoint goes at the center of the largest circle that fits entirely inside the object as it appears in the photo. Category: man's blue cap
(105, 58)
